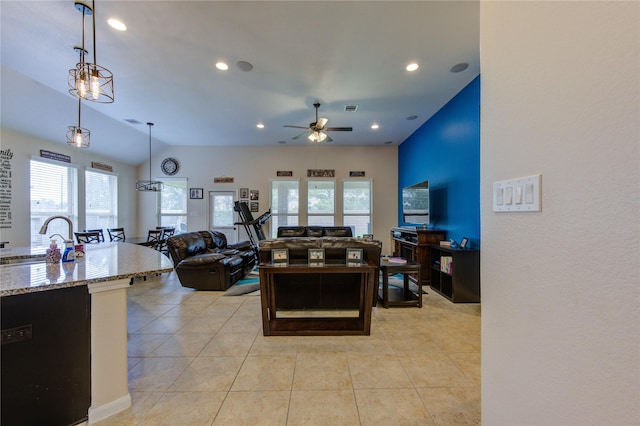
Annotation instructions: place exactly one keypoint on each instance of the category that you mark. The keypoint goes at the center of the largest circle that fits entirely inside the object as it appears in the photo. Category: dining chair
(116, 234)
(154, 238)
(99, 231)
(88, 237)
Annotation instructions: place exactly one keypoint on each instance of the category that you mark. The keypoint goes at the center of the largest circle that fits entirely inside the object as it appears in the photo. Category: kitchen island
(59, 304)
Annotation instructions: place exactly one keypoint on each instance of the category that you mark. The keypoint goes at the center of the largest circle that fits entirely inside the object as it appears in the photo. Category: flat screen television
(415, 204)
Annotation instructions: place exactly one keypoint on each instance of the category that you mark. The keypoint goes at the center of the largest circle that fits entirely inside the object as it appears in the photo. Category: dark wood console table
(302, 288)
(413, 244)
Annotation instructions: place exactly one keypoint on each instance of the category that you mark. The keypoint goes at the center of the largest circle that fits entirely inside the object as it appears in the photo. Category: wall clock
(170, 166)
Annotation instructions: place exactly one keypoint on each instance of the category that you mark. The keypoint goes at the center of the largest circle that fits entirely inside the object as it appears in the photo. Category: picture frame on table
(464, 243)
(354, 255)
(316, 255)
(280, 256)
(196, 193)
(244, 193)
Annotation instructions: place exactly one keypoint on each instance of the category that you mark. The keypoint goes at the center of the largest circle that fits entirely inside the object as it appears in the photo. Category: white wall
(560, 288)
(23, 148)
(254, 167)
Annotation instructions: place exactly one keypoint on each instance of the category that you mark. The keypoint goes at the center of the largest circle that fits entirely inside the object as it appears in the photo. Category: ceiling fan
(316, 130)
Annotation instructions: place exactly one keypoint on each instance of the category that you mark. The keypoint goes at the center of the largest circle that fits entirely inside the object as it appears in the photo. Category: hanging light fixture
(90, 81)
(149, 185)
(78, 136)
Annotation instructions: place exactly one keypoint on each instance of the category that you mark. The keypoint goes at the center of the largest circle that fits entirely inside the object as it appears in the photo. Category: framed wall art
(196, 193)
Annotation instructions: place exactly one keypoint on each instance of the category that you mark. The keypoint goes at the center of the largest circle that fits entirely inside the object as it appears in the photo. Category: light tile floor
(199, 358)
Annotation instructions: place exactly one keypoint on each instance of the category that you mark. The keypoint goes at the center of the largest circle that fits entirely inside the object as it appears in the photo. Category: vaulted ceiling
(339, 53)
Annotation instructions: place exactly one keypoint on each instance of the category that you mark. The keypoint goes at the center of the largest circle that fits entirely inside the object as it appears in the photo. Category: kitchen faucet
(45, 225)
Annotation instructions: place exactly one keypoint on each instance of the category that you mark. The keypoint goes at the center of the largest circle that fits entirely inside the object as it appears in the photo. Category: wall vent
(351, 108)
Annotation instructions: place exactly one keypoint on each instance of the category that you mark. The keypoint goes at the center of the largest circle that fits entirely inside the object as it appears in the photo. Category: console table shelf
(462, 283)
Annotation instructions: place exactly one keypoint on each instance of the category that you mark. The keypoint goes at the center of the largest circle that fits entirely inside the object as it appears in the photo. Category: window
(321, 202)
(101, 200)
(285, 204)
(356, 206)
(53, 192)
(173, 204)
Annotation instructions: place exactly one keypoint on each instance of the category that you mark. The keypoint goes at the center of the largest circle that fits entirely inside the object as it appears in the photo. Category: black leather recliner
(204, 261)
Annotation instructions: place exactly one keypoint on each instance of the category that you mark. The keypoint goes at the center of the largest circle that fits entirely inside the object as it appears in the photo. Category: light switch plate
(518, 195)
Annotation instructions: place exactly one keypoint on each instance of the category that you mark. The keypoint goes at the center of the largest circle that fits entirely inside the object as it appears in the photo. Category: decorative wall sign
(321, 173)
(223, 179)
(5, 188)
(356, 173)
(54, 156)
(253, 206)
(284, 173)
(101, 166)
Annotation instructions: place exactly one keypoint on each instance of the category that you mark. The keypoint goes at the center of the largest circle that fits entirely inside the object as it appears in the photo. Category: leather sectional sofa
(204, 261)
(314, 231)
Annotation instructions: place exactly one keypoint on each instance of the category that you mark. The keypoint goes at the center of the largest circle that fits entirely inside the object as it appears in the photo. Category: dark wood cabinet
(413, 244)
(460, 282)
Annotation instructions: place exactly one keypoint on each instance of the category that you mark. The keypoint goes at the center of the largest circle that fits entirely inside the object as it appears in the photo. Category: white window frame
(276, 214)
(345, 215)
(71, 211)
(181, 225)
(310, 214)
(109, 218)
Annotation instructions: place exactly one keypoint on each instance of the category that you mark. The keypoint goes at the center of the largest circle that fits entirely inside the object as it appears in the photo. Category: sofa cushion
(186, 245)
(291, 231)
(315, 231)
(200, 260)
(338, 231)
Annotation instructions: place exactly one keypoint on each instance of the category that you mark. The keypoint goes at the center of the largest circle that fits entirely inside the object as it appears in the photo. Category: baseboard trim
(100, 413)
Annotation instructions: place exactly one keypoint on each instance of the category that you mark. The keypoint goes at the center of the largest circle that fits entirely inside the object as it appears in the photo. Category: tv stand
(413, 244)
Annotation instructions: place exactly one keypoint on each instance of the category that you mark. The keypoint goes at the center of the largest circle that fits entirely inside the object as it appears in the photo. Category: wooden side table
(402, 296)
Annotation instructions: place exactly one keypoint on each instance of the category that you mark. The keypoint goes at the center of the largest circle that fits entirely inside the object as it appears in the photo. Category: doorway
(222, 216)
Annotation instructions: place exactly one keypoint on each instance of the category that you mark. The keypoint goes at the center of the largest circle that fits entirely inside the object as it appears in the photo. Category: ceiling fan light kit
(316, 130)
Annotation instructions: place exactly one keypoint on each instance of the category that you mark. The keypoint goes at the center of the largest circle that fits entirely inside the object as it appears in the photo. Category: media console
(413, 244)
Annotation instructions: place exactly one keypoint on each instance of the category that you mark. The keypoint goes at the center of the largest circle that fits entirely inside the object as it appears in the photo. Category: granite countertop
(101, 262)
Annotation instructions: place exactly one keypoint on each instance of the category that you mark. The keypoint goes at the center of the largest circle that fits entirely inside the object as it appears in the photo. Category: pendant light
(90, 81)
(78, 136)
(149, 185)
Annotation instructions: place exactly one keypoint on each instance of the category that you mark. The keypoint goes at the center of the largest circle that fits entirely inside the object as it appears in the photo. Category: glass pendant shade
(149, 185)
(317, 136)
(78, 137)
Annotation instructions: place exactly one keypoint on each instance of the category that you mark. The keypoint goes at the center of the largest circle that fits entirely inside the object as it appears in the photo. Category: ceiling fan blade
(328, 139)
(321, 123)
(300, 135)
(295, 127)
(339, 129)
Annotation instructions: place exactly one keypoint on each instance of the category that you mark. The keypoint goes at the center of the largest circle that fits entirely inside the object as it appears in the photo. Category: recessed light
(244, 65)
(412, 117)
(412, 67)
(222, 66)
(116, 24)
(459, 67)
(282, 142)
(260, 126)
(388, 142)
(375, 126)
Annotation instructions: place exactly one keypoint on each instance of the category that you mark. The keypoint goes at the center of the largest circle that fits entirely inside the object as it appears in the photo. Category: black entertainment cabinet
(461, 282)
(413, 244)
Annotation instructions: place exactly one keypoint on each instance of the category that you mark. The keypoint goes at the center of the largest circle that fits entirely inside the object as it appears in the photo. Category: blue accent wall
(445, 150)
